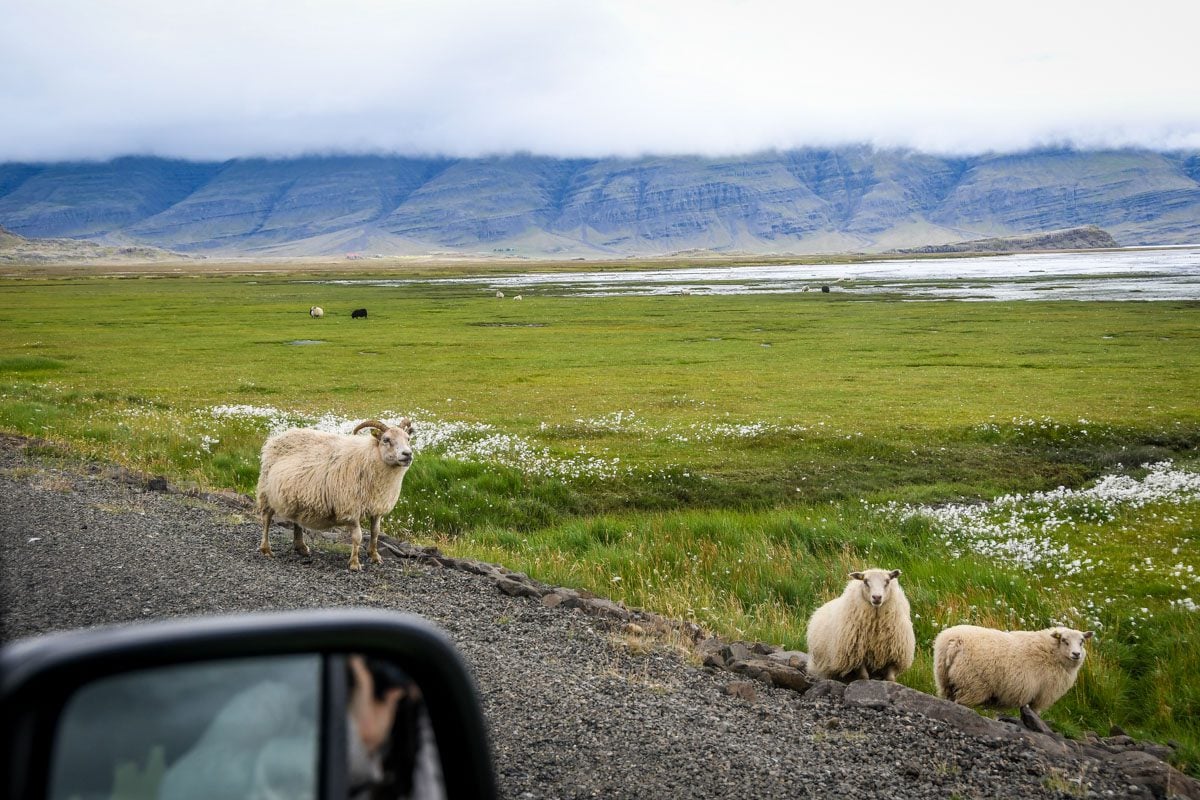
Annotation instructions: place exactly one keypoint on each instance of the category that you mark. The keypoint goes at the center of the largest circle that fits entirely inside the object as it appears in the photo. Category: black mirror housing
(38, 678)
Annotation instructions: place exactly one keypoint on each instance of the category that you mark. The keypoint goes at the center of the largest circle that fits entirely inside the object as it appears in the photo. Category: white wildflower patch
(1022, 428)
(463, 441)
(716, 431)
(1026, 529)
(275, 419)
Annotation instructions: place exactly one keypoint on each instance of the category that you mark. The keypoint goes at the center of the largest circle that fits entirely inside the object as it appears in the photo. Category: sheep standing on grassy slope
(977, 666)
(320, 481)
(864, 633)
(316, 312)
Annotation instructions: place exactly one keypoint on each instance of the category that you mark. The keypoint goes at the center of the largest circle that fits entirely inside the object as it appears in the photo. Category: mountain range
(798, 201)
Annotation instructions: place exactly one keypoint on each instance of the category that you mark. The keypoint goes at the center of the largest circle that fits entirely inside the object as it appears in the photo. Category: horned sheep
(316, 312)
(321, 481)
(865, 633)
(977, 666)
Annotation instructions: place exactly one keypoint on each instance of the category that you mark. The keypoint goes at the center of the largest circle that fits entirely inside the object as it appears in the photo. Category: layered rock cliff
(810, 200)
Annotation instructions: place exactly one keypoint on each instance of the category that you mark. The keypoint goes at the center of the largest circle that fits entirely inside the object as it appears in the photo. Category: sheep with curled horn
(320, 481)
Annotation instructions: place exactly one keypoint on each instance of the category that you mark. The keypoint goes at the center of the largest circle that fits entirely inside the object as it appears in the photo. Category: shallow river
(1149, 274)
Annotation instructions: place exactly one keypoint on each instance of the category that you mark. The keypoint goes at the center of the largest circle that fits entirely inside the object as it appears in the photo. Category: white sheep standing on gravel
(865, 633)
(321, 481)
(977, 666)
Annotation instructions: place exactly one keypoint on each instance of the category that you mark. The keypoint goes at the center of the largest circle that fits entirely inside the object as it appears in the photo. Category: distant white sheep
(316, 312)
(518, 297)
(499, 294)
(865, 633)
(977, 666)
(321, 481)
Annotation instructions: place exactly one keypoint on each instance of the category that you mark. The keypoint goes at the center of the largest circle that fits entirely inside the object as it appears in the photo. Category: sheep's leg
(970, 695)
(376, 529)
(355, 543)
(1031, 720)
(863, 674)
(298, 540)
(890, 673)
(264, 546)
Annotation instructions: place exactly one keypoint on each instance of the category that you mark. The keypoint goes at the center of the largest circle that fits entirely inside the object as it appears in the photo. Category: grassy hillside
(725, 459)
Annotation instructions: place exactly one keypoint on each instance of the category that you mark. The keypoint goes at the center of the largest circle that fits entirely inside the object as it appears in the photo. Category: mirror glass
(246, 728)
(223, 729)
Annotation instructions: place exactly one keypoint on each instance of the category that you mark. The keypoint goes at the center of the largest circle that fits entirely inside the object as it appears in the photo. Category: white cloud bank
(225, 78)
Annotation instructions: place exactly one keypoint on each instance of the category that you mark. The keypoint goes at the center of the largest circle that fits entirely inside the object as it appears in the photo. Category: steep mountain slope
(810, 200)
(79, 199)
(1140, 197)
(256, 203)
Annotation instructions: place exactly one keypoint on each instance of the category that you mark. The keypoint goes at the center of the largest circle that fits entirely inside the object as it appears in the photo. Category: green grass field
(724, 459)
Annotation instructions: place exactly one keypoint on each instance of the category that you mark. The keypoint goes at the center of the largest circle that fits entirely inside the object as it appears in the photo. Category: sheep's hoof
(266, 551)
(355, 566)
(378, 559)
(303, 550)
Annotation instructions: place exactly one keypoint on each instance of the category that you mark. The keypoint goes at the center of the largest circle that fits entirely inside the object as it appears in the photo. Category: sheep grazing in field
(499, 294)
(864, 633)
(358, 313)
(518, 297)
(316, 312)
(1029, 670)
(321, 481)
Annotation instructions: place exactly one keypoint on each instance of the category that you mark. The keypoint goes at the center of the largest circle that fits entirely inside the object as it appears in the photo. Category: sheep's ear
(1088, 634)
(858, 576)
(1056, 635)
(894, 573)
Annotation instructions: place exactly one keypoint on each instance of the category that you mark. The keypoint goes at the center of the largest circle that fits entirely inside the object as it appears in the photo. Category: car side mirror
(306, 704)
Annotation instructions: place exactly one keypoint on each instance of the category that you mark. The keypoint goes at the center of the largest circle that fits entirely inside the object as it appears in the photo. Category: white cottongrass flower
(1021, 528)
(714, 431)
(463, 441)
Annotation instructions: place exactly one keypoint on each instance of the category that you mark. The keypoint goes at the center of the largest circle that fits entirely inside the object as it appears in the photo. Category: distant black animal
(358, 313)
(824, 289)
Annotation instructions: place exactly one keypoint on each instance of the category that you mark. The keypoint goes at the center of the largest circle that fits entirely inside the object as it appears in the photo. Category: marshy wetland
(720, 457)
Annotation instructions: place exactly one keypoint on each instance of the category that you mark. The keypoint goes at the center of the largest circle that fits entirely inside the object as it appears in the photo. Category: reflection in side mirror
(327, 704)
(222, 729)
(245, 728)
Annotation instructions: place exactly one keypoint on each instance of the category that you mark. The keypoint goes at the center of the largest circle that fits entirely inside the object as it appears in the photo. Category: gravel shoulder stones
(582, 699)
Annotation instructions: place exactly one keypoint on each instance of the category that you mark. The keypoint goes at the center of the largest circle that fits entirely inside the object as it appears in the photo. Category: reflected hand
(372, 717)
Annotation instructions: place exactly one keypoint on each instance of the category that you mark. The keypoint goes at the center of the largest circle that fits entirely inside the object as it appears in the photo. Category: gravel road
(573, 712)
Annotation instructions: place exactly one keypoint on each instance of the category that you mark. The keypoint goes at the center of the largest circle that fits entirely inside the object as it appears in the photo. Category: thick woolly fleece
(849, 633)
(324, 480)
(978, 666)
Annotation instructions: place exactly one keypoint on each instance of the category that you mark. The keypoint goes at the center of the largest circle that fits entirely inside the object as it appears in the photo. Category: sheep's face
(876, 585)
(395, 444)
(1069, 643)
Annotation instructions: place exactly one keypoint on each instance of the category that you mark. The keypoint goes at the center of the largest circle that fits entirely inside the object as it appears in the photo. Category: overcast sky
(216, 79)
